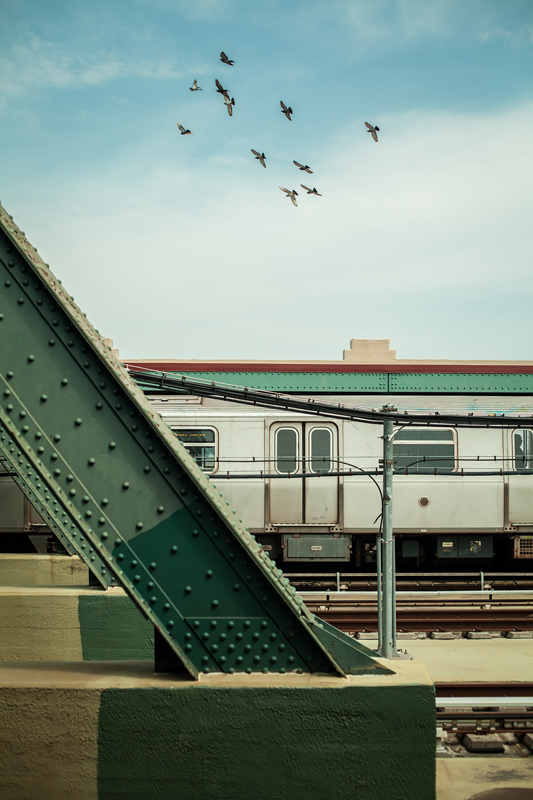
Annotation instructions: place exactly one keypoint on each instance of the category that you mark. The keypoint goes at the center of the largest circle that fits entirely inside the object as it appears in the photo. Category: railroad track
(481, 707)
(428, 617)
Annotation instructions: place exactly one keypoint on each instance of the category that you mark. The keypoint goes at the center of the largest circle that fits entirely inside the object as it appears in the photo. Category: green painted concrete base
(116, 732)
(42, 570)
(71, 624)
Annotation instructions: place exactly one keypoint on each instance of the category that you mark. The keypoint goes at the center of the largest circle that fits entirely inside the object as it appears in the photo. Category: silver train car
(461, 496)
(307, 486)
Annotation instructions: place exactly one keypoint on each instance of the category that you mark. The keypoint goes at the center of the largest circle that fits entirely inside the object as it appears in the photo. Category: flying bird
(291, 193)
(229, 104)
(195, 87)
(285, 110)
(220, 88)
(310, 191)
(226, 60)
(182, 129)
(304, 169)
(372, 129)
(260, 157)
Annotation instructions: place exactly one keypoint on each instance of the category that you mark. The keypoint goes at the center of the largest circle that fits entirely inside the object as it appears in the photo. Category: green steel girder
(370, 382)
(138, 499)
(37, 485)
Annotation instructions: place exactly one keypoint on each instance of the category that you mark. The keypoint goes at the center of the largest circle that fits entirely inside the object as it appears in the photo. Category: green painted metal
(93, 441)
(371, 383)
(457, 383)
(67, 526)
(331, 382)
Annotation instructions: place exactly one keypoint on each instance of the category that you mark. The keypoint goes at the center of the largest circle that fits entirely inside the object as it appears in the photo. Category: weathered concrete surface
(42, 570)
(71, 624)
(464, 778)
(475, 660)
(267, 737)
(48, 743)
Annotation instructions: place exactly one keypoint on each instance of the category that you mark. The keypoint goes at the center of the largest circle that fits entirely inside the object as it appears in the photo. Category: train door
(520, 486)
(302, 456)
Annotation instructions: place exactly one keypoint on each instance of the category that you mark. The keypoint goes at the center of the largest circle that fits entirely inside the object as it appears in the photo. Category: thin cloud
(38, 64)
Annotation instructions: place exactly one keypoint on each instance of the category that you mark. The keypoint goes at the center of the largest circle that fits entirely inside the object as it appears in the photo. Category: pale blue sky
(184, 247)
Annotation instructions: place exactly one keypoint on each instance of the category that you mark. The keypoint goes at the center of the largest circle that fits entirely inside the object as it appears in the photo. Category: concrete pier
(111, 731)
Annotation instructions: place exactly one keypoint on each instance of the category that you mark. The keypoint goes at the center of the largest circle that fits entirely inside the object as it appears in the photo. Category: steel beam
(79, 426)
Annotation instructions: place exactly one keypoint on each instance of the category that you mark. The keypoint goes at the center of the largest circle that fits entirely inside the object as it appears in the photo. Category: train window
(286, 450)
(321, 446)
(201, 443)
(424, 450)
(523, 450)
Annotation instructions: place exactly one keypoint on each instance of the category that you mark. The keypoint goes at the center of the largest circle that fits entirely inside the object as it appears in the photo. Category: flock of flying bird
(286, 110)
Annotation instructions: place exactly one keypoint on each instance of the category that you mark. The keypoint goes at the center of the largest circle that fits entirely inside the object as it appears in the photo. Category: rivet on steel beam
(25, 429)
(91, 462)
(215, 603)
(9, 407)
(166, 606)
(240, 659)
(38, 435)
(64, 382)
(150, 584)
(139, 527)
(101, 520)
(22, 414)
(51, 342)
(135, 428)
(120, 556)
(174, 548)
(160, 509)
(104, 534)
(170, 623)
(57, 437)
(166, 470)
(20, 301)
(103, 385)
(196, 532)
(231, 648)
(104, 501)
(205, 636)
(153, 564)
(99, 405)
(57, 472)
(9, 374)
(136, 578)
(248, 647)
(125, 485)
(290, 659)
(147, 468)
(77, 421)
(188, 647)
(188, 589)
(255, 636)
(54, 457)
(150, 449)
(7, 393)
(209, 573)
(39, 301)
(236, 587)
(86, 364)
(70, 342)
(118, 542)
(153, 599)
(282, 647)
(196, 623)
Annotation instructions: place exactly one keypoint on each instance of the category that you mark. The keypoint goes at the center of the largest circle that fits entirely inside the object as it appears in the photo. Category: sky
(184, 246)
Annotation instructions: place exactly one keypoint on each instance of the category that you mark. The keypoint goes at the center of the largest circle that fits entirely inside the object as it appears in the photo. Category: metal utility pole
(385, 562)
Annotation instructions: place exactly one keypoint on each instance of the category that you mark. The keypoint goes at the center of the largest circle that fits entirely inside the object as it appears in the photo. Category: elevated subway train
(308, 490)
(309, 487)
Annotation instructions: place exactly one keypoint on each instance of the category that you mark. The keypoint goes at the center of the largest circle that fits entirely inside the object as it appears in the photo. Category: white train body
(306, 516)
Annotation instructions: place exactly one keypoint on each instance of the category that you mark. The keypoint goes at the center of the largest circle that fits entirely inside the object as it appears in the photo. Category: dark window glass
(286, 450)
(200, 443)
(321, 445)
(423, 451)
(523, 450)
